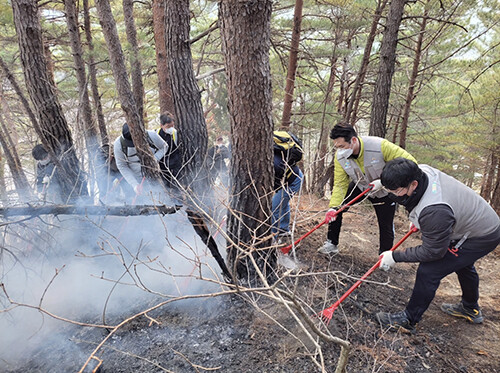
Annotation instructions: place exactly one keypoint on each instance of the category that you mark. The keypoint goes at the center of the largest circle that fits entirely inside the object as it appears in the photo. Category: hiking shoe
(396, 322)
(458, 310)
(328, 248)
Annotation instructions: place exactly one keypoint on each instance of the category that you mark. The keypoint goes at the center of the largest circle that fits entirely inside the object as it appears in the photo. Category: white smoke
(88, 269)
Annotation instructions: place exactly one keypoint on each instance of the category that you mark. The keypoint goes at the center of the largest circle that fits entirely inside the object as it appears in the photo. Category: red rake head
(327, 314)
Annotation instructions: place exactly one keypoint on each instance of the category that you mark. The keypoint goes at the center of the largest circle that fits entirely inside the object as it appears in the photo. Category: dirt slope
(227, 334)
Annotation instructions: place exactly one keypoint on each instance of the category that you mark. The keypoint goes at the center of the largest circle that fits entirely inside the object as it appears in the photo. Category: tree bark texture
(93, 75)
(164, 85)
(292, 65)
(90, 131)
(245, 32)
(387, 59)
(135, 62)
(410, 95)
(352, 107)
(20, 94)
(317, 185)
(21, 183)
(192, 129)
(54, 131)
(150, 167)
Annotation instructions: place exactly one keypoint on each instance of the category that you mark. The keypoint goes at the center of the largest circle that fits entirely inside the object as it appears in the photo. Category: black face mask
(402, 200)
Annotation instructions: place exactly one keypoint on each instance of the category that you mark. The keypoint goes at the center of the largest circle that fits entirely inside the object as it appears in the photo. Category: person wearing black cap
(458, 227)
(128, 161)
(46, 179)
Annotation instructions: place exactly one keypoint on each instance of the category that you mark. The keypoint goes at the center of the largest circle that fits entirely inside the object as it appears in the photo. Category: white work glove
(331, 215)
(387, 261)
(138, 189)
(377, 185)
(46, 180)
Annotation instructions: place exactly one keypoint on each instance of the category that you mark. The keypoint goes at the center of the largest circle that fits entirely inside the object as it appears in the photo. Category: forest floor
(230, 334)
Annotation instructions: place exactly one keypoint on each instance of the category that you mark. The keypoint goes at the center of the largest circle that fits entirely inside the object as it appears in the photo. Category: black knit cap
(39, 152)
(126, 132)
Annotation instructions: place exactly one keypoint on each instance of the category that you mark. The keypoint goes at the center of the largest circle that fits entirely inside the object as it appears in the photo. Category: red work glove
(331, 215)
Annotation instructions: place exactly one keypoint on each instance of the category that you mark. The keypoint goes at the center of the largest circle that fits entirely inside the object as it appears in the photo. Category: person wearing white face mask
(359, 161)
(171, 164)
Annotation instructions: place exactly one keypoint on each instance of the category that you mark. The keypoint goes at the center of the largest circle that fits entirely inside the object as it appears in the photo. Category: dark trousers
(461, 261)
(385, 209)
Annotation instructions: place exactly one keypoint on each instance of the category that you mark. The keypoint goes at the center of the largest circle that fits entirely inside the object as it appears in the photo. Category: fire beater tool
(327, 313)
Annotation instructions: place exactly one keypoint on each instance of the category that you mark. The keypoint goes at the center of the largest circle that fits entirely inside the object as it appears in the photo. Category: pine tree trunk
(22, 97)
(90, 133)
(93, 76)
(352, 108)
(292, 65)
(192, 129)
(54, 131)
(495, 195)
(135, 62)
(149, 164)
(164, 85)
(245, 32)
(319, 180)
(21, 183)
(383, 82)
(410, 95)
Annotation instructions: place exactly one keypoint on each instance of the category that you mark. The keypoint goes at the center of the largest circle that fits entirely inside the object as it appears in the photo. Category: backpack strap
(125, 147)
(150, 142)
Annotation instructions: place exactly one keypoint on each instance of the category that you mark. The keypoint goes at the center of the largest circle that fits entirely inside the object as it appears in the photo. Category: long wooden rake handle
(286, 249)
(327, 313)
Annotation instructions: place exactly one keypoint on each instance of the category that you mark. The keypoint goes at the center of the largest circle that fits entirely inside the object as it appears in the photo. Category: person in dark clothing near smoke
(458, 227)
(217, 156)
(47, 184)
(171, 163)
(287, 182)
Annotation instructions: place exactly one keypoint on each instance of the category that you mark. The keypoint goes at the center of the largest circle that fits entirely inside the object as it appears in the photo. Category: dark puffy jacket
(283, 173)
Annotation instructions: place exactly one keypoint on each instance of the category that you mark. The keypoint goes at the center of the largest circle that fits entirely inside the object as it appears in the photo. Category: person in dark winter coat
(171, 163)
(287, 182)
(217, 156)
(458, 227)
(47, 184)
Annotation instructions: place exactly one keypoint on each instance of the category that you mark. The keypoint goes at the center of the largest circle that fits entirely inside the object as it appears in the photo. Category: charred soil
(253, 334)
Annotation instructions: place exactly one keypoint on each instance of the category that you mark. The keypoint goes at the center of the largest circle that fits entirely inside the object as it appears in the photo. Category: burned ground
(234, 333)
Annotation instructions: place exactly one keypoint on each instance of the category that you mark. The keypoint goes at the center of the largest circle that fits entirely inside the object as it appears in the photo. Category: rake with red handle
(286, 249)
(327, 313)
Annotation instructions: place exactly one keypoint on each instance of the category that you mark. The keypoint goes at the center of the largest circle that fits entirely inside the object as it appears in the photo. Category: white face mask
(344, 153)
(45, 161)
(169, 130)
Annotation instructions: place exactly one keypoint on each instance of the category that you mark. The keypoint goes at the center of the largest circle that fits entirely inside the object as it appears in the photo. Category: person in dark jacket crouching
(458, 227)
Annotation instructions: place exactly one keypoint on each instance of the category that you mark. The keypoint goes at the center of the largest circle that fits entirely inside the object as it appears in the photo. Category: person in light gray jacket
(126, 157)
(458, 227)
